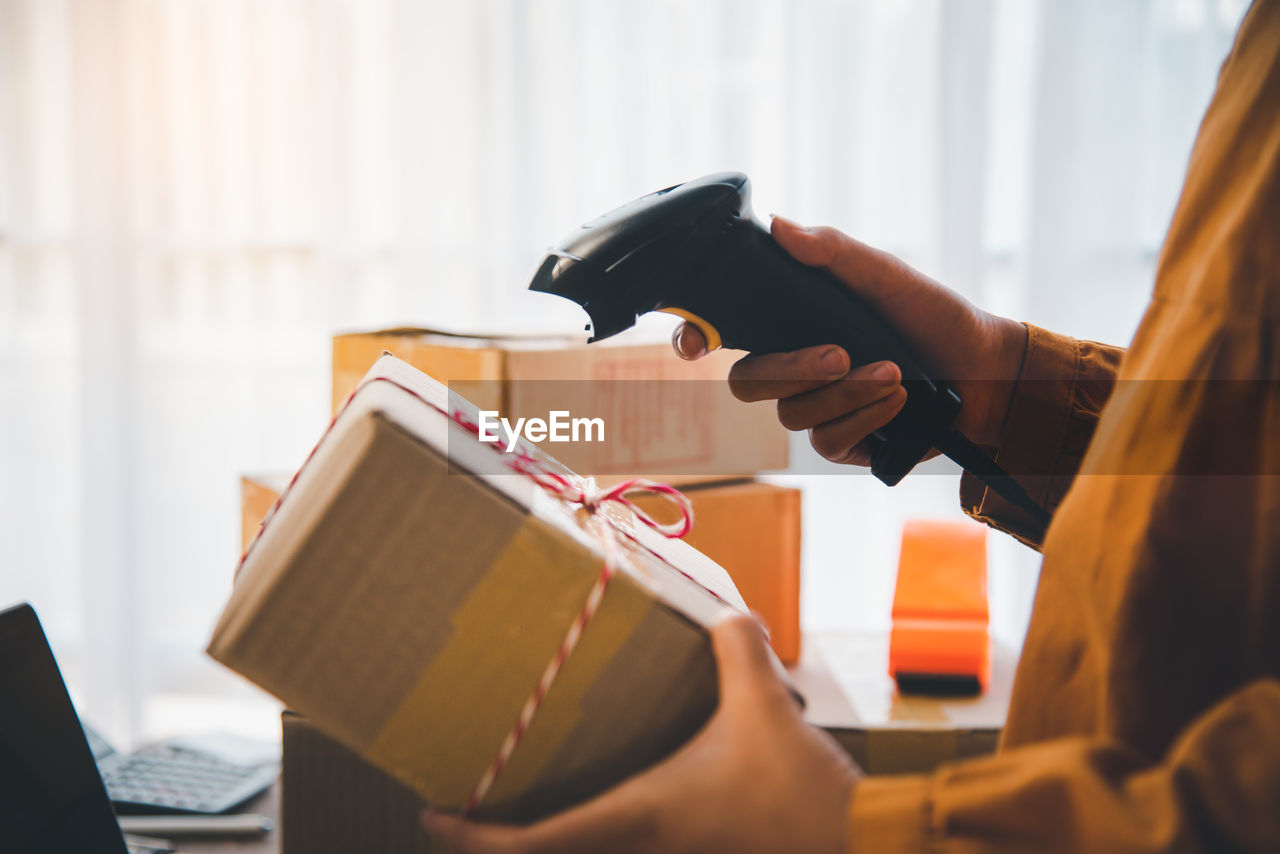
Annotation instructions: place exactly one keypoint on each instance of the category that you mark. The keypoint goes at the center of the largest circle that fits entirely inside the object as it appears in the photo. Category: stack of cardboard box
(667, 420)
(414, 591)
(671, 421)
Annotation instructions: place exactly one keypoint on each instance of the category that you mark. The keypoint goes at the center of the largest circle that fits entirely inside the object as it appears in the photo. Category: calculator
(180, 776)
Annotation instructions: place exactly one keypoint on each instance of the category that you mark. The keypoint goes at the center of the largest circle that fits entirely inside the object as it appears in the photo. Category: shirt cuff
(889, 814)
(1056, 404)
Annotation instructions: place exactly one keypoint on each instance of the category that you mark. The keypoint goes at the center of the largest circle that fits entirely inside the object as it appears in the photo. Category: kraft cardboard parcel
(409, 610)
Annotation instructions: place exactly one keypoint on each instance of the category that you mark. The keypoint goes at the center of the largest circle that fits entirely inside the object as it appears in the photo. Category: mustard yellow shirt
(1146, 709)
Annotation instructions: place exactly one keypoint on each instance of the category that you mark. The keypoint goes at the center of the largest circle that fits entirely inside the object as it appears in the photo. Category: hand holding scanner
(695, 250)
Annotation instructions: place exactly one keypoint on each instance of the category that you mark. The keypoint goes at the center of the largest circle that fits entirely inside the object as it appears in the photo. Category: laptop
(52, 800)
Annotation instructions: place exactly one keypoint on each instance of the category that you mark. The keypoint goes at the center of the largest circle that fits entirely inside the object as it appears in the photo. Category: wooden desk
(845, 680)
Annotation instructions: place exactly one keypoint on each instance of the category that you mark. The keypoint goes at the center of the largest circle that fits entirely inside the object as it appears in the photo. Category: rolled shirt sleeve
(1058, 399)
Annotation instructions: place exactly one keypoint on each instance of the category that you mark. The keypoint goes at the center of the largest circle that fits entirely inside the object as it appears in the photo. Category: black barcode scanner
(695, 250)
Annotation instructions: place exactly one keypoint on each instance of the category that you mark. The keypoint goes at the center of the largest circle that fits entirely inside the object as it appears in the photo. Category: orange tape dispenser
(939, 643)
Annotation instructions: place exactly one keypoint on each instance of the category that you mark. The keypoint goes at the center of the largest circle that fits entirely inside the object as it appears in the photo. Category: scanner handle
(760, 299)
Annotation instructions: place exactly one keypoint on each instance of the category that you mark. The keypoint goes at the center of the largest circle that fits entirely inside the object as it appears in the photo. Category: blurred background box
(752, 529)
(670, 419)
(258, 494)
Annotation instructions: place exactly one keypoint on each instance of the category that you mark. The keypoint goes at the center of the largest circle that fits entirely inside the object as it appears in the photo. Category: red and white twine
(590, 498)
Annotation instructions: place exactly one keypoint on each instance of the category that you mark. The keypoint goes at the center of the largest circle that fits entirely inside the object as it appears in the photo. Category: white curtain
(195, 193)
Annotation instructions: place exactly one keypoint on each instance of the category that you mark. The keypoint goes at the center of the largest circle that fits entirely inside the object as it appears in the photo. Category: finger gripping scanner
(695, 250)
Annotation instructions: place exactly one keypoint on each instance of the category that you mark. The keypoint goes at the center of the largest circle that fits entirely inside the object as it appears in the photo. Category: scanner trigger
(708, 331)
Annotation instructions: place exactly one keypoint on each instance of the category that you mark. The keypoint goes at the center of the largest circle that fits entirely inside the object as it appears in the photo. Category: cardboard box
(333, 802)
(258, 494)
(410, 590)
(666, 418)
(752, 529)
